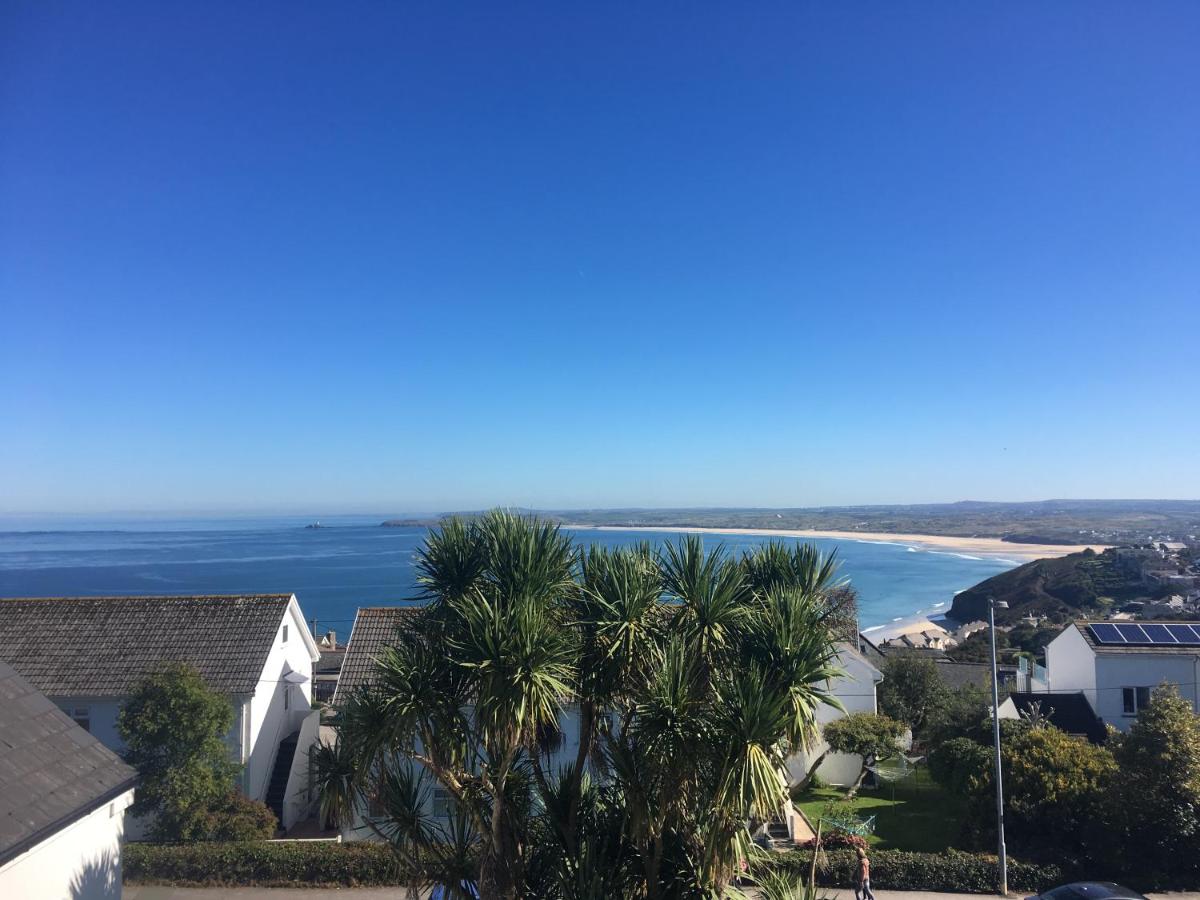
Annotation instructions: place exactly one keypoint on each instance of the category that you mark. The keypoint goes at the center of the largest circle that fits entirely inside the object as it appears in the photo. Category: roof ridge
(252, 596)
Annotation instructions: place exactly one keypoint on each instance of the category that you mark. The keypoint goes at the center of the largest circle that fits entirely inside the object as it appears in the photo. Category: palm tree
(693, 675)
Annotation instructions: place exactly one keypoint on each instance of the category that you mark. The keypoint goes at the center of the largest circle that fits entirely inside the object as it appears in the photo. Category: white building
(856, 691)
(375, 626)
(1116, 674)
(63, 796)
(88, 654)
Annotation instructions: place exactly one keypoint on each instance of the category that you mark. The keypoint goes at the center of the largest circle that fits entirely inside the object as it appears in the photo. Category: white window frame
(1137, 697)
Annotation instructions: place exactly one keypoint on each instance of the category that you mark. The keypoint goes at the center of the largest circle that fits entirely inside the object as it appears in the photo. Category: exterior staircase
(277, 789)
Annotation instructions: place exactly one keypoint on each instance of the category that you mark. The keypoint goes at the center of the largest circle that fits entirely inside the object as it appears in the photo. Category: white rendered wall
(1121, 670)
(856, 690)
(270, 722)
(1071, 665)
(80, 862)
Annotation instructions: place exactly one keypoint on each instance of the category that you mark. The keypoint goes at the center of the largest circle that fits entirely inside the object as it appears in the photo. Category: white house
(87, 654)
(1117, 665)
(856, 691)
(374, 627)
(63, 796)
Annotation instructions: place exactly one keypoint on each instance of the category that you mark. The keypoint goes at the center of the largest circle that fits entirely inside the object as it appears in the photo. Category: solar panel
(1107, 634)
(1133, 634)
(1158, 634)
(1185, 634)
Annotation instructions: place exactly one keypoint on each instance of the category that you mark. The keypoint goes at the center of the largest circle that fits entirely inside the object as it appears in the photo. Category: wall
(80, 862)
(1119, 670)
(270, 722)
(299, 800)
(1071, 665)
(856, 690)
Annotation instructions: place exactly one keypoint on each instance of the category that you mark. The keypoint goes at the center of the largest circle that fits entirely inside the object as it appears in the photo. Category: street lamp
(994, 605)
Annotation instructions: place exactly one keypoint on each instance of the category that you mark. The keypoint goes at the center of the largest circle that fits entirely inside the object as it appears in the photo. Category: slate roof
(374, 627)
(52, 772)
(1070, 712)
(103, 646)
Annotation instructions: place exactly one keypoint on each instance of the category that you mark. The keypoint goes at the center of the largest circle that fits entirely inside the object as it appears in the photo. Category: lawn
(913, 814)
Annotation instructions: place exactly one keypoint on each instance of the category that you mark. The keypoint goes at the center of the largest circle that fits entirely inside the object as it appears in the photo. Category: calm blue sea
(353, 562)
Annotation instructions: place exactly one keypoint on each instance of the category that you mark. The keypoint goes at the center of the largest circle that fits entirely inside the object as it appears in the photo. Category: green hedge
(286, 863)
(371, 864)
(901, 870)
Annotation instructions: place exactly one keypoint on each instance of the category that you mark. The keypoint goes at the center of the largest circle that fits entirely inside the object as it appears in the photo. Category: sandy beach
(986, 546)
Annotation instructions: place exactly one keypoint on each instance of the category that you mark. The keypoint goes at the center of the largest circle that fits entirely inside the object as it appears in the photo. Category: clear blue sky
(419, 256)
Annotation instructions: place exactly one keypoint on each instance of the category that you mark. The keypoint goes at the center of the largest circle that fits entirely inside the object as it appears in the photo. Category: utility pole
(992, 607)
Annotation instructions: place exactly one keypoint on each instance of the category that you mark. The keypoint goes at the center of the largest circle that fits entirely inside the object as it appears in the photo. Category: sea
(353, 561)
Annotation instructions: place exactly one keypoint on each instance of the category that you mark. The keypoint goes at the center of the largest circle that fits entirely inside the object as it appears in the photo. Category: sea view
(352, 561)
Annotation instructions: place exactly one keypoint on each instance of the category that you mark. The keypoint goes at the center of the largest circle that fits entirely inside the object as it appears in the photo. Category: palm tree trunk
(804, 782)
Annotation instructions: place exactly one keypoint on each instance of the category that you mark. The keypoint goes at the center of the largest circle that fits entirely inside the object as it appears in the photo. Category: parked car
(444, 892)
(1089, 890)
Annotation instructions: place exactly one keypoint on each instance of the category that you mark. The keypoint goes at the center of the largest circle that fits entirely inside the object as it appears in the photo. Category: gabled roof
(1070, 712)
(103, 646)
(374, 628)
(52, 772)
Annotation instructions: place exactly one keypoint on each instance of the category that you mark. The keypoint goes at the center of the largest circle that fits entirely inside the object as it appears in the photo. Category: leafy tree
(1156, 812)
(1054, 785)
(873, 737)
(912, 691)
(964, 712)
(173, 728)
(959, 765)
(693, 673)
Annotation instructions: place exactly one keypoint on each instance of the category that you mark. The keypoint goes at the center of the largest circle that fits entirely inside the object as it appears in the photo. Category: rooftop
(103, 646)
(52, 772)
(374, 628)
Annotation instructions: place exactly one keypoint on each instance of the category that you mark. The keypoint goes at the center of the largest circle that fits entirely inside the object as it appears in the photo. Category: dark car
(1089, 890)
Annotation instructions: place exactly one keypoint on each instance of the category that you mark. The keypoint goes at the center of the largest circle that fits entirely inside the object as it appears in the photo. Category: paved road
(154, 892)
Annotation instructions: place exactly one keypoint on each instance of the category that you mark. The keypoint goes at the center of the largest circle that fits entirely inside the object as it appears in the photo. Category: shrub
(900, 870)
(263, 864)
(238, 818)
(838, 840)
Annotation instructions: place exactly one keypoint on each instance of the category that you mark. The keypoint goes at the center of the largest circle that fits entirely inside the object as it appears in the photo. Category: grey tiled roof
(103, 646)
(374, 627)
(51, 770)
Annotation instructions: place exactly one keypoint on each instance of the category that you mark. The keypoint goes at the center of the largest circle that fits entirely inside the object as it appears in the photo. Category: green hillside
(1063, 589)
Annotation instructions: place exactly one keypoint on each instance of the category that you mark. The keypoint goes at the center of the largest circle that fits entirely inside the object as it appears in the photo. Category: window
(81, 716)
(1134, 699)
(284, 639)
(443, 803)
(287, 696)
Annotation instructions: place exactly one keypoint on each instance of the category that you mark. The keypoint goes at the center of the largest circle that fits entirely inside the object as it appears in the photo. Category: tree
(173, 728)
(693, 674)
(873, 737)
(912, 691)
(1156, 809)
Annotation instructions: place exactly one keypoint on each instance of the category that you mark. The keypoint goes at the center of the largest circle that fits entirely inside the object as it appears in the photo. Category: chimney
(330, 639)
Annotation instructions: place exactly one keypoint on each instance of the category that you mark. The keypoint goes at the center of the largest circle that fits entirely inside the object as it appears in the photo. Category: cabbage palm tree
(693, 675)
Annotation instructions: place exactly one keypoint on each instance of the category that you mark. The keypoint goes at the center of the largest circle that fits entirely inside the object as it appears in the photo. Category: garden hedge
(262, 863)
(318, 863)
(901, 870)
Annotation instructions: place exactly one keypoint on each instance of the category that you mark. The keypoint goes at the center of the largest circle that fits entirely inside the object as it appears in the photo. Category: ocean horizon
(354, 561)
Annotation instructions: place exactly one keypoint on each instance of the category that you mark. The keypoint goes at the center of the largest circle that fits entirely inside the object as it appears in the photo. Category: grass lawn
(922, 816)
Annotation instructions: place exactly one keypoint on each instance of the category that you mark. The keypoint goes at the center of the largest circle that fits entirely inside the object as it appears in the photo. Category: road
(157, 892)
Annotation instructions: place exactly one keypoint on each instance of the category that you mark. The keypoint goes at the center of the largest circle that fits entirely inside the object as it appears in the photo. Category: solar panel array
(1152, 634)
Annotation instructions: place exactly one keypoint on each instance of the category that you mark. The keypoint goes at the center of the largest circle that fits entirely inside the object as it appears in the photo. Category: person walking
(862, 877)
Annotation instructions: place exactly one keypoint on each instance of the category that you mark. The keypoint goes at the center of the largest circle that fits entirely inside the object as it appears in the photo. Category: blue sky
(420, 256)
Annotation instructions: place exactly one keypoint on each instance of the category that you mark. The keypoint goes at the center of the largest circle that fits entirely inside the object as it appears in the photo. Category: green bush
(313, 863)
(274, 864)
(900, 870)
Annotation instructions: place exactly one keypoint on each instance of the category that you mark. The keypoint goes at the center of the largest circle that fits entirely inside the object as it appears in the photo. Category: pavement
(159, 892)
